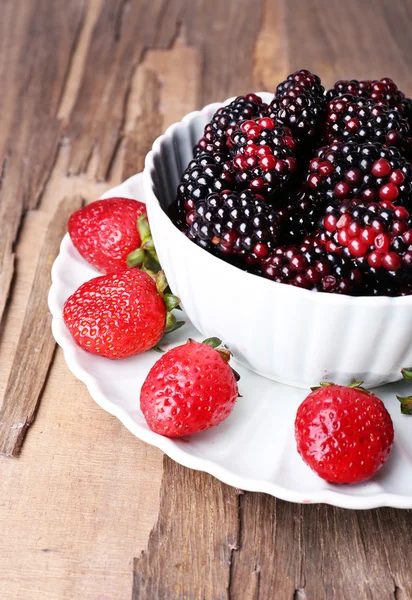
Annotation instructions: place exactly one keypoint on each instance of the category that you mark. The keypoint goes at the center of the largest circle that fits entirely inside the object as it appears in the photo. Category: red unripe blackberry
(240, 109)
(264, 158)
(310, 266)
(354, 174)
(377, 236)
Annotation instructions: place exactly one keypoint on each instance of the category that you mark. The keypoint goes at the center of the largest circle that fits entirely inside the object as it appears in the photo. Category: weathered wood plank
(270, 56)
(190, 548)
(225, 33)
(122, 33)
(147, 127)
(350, 40)
(36, 345)
(29, 129)
(278, 550)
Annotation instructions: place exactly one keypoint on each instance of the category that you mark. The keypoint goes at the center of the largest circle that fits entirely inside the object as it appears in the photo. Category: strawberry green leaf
(161, 282)
(355, 384)
(225, 354)
(143, 228)
(135, 258)
(321, 385)
(172, 324)
(406, 404)
(171, 301)
(213, 342)
(407, 374)
(157, 348)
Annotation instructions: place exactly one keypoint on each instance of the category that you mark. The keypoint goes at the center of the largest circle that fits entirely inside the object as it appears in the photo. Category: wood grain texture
(36, 344)
(189, 551)
(29, 129)
(256, 547)
(79, 502)
(350, 40)
(147, 127)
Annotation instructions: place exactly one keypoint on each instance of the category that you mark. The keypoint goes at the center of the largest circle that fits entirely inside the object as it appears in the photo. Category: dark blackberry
(385, 90)
(298, 218)
(240, 109)
(303, 78)
(303, 112)
(204, 174)
(370, 172)
(263, 156)
(363, 120)
(312, 267)
(237, 226)
(377, 236)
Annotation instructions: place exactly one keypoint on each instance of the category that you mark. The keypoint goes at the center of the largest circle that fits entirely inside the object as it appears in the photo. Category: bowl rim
(267, 285)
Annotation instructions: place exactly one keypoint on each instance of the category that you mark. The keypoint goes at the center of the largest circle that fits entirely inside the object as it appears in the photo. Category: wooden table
(85, 88)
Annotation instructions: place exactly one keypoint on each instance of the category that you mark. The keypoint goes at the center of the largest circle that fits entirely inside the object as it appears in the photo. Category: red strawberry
(189, 389)
(343, 433)
(121, 314)
(105, 232)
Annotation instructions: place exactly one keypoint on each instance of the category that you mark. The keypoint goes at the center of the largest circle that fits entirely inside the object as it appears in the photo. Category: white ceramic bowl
(288, 334)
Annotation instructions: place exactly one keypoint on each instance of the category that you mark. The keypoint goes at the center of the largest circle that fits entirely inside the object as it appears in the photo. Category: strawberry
(121, 314)
(344, 433)
(189, 389)
(105, 232)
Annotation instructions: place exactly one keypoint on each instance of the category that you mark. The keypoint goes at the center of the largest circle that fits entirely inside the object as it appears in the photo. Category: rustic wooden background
(85, 87)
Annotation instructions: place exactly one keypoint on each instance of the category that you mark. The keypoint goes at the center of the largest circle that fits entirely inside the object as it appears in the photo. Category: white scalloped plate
(254, 448)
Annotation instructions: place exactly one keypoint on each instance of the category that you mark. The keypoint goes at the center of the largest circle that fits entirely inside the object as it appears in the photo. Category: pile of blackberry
(312, 190)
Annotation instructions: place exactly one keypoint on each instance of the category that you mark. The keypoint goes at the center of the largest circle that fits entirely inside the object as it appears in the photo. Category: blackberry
(237, 226)
(303, 112)
(204, 174)
(240, 109)
(298, 218)
(369, 171)
(384, 90)
(363, 120)
(312, 267)
(376, 236)
(263, 156)
(305, 80)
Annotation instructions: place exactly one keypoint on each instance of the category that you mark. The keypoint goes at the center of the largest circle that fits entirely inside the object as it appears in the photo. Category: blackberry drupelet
(239, 227)
(240, 109)
(263, 156)
(303, 112)
(363, 120)
(204, 174)
(305, 80)
(385, 90)
(369, 171)
(310, 266)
